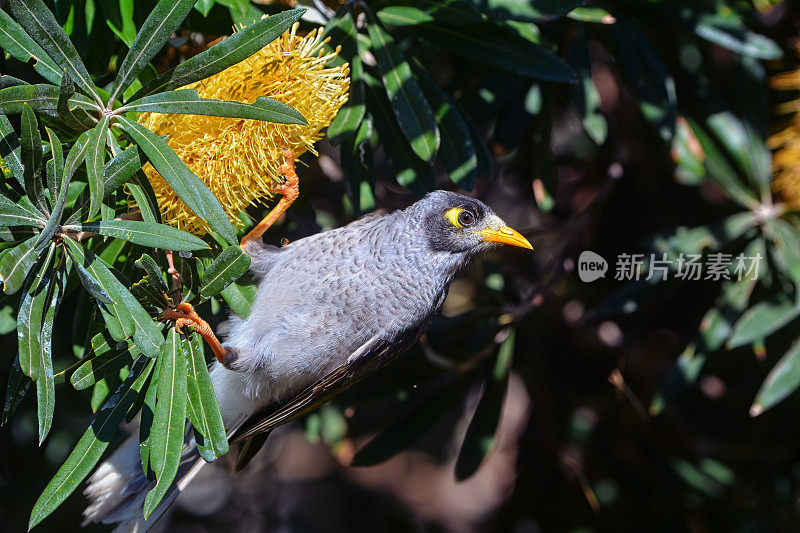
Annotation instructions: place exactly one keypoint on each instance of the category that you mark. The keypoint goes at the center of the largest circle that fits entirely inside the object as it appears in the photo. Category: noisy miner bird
(330, 309)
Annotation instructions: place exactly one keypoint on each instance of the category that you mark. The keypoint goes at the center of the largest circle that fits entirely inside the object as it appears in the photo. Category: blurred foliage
(627, 127)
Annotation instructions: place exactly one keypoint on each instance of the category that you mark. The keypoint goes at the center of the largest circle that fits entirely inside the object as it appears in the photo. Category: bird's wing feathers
(372, 355)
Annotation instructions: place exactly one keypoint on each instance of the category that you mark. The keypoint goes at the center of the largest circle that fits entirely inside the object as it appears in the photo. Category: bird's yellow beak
(505, 235)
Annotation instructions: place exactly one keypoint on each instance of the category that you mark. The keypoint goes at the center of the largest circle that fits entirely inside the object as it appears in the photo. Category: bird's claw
(184, 315)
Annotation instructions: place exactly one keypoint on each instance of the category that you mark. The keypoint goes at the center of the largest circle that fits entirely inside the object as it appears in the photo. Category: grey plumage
(330, 309)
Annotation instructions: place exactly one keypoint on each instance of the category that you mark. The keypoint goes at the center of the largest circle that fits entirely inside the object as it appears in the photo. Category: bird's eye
(465, 218)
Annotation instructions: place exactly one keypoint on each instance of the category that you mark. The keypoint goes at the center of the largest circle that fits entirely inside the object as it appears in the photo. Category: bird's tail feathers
(117, 489)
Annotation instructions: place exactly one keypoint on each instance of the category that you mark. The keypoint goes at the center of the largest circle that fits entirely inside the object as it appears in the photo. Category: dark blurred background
(579, 445)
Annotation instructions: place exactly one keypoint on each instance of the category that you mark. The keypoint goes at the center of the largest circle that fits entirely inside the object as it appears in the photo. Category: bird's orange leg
(289, 191)
(184, 315)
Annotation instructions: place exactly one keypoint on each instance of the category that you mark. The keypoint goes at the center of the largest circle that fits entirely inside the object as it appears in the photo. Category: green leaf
(105, 364)
(498, 46)
(456, 153)
(783, 380)
(409, 169)
(95, 155)
(15, 264)
(16, 214)
(194, 193)
(414, 115)
(480, 440)
(145, 233)
(10, 150)
(730, 33)
(47, 100)
(720, 170)
(92, 286)
(527, 11)
(162, 21)
(403, 16)
(166, 440)
(121, 168)
(92, 444)
(762, 320)
(203, 407)
(349, 118)
(226, 268)
(152, 272)
(45, 384)
(222, 55)
(745, 145)
(187, 101)
(40, 24)
(16, 42)
(786, 249)
(32, 157)
(240, 297)
(65, 91)
(407, 430)
(17, 388)
(450, 11)
(146, 334)
(647, 76)
(56, 177)
(32, 307)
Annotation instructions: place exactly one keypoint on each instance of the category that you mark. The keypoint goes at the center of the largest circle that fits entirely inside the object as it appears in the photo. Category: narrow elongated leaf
(240, 297)
(498, 46)
(56, 177)
(413, 113)
(720, 170)
(733, 35)
(65, 92)
(145, 198)
(10, 150)
(92, 286)
(16, 264)
(147, 421)
(47, 99)
(538, 11)
(152, 271)
(31, 142)
(105, 364)
(145, 233)
(92, 444)
(45, 384)
(450, 11)
(16, 42)
(456, 152)
(226, 268)
(122, 167)
(186, 101)
(76, 155)
(17, 388)
(159, 25)
(15, 214)
(203, 407)
(787, 248)
(194, 193)
(95, 154)
(222, 55)
(763, 319)
(146, 334)
(40, 24)
(166, 440)
(409, 169)
(403, 16)
(783, 380)
(350, 117)
(32, 307)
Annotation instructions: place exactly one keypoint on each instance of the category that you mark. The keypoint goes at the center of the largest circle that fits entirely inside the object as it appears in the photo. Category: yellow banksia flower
(786, 143)
(239, 158)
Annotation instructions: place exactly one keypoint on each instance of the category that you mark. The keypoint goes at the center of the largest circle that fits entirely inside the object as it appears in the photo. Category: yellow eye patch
(452, 216)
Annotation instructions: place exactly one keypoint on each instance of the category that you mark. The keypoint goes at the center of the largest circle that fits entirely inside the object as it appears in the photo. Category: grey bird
(330, 309)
